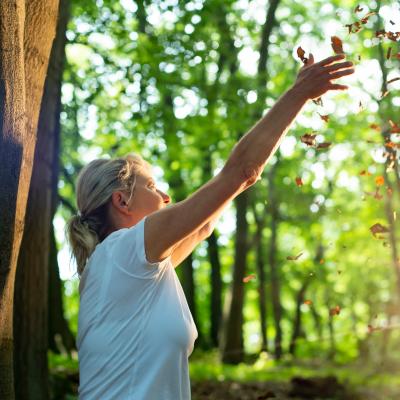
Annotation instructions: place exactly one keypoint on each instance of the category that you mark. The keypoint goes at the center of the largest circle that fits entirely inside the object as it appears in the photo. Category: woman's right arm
(166, 228)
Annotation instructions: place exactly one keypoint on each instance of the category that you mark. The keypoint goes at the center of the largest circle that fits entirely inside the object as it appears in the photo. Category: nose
(165, 197)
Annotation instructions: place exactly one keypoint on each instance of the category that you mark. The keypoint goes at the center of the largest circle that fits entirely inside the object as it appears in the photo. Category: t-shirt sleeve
(129, 253)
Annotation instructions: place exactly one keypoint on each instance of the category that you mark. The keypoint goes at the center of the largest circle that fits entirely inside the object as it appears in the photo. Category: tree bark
(232, 346)
(27, 30)
(31, 281)
(297, 319)
(258, 242)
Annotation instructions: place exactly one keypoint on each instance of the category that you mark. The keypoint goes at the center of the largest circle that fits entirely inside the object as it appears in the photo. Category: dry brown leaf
(294, 258)
(324, 117)
(393, 80)
(301, 54)
(334, 311)
(323, 145)
(337, 45)
(378, 228)
(299, 181)
(308, 139)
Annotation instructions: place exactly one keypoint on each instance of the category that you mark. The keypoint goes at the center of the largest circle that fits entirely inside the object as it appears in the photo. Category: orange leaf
(248, 278)
(299, 181)
(379, 180)
(308, 139)
(301, 54)
(334, 311)
(394, 128)
(323, 145)
(308, 302)
(378, 228)
(324, 117)
(337, 45)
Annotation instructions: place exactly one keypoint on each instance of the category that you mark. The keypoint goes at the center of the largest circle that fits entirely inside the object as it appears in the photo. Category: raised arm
(245, 163)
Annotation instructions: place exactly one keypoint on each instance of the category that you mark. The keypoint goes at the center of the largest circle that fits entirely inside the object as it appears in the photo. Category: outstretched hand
(315, 79)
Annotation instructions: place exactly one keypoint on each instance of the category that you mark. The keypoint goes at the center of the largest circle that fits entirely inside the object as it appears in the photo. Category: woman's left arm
(187, 245)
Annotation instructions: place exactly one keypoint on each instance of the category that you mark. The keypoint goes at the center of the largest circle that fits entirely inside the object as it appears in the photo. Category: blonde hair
(95, 184)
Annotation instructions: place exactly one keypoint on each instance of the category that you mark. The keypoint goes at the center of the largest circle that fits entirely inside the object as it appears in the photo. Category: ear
(119, 200)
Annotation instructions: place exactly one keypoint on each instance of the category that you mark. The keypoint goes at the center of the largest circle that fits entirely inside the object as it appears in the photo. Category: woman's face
(146, 197)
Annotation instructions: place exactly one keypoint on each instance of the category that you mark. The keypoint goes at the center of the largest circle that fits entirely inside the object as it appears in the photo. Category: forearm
(254, 149)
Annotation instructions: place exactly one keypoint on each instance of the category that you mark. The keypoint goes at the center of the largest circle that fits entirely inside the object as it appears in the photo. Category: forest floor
(312, 379)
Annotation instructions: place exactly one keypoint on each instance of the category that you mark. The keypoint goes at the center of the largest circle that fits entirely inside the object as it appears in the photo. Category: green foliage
(176, 87)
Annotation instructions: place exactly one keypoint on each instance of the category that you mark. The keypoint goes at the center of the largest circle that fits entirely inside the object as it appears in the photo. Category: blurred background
(296, 293)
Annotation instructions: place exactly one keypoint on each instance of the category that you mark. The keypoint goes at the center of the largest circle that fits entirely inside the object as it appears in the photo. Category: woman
(135, 329)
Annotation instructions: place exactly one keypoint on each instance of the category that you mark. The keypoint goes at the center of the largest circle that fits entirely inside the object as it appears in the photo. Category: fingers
(339, 74)
(338, 66)
(337, 87)
(332, 59)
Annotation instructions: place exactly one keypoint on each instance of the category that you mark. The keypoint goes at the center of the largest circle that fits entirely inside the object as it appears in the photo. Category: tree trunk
(273, 249)
(297, 319)
(232, 346)
(27, 30)
(31, 281)
(216, 289)
(261, 279)
(60, 337)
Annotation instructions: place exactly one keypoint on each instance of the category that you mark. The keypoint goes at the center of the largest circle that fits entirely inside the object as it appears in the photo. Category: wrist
(296, 93)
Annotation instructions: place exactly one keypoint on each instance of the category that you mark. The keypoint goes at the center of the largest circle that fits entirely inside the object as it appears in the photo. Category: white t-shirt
(135, 329)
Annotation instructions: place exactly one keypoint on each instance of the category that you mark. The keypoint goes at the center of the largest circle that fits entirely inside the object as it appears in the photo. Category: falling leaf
(248, 278)
(323, 145)
(384, 94)
(358, 9)
(364, 20)
(393, 80)
(359, 58)
(389, 53)
(294, 258)
(324, 117)
(337, 45)
(378, 228)
(334, 311)
(394, 128)
(339, 271)
(321, 261)
(308, 139)
(308, 302)
(301, 54)
(380, 34)
(375, 126)
(391, 22)
(299, 181)
(364, 172)
(379, 180)
(394, 36)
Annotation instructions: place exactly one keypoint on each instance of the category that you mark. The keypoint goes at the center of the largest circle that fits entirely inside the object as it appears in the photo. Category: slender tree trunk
(232, 346)
(262, 304)
(273, 249)
(297, 319)
(27, 30)
(60, 337)
(216, 289)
